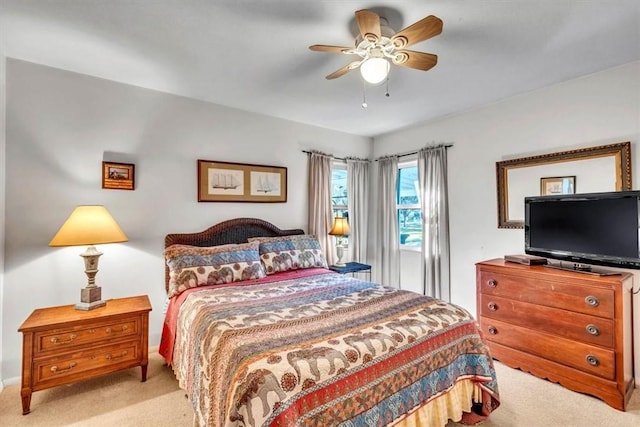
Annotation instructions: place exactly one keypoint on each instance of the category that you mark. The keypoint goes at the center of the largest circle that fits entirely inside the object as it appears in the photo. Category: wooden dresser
(62, 345)
(569, 327)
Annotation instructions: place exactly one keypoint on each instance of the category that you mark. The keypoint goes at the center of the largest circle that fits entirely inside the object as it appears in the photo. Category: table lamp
(89, 225)
(340, 229)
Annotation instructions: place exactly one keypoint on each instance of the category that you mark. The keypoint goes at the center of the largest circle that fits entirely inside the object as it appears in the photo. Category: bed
(268, 336)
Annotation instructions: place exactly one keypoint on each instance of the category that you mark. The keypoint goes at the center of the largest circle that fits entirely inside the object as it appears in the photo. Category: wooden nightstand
(62, 345)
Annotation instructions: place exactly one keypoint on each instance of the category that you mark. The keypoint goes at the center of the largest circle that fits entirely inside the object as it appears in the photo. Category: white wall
(61, 126)
(598, 109)
(3, 93)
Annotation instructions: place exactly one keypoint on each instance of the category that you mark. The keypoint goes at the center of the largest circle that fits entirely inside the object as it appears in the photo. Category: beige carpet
(122, 400)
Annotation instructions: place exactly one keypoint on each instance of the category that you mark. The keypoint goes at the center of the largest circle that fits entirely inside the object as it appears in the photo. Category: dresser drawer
(83, 361)
(551, 293)
(84, 334)
(587, 358)
(566, 324)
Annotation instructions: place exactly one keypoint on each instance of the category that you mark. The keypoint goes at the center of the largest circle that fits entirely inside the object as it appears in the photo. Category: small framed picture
(557, 185)
(118, 176)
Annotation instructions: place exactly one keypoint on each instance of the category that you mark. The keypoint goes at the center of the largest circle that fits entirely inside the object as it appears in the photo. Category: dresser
(62, 345)
(568, 327)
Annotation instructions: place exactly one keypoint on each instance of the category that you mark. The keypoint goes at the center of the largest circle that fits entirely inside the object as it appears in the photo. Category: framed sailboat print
(241, 182)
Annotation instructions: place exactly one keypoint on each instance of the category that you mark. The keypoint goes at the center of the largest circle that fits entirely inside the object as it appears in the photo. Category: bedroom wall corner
(3, 143)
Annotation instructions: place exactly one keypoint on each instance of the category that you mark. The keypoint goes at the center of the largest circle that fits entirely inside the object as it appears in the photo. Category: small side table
(352, 268)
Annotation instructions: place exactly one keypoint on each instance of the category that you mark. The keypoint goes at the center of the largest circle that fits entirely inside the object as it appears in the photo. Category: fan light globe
(375, 70)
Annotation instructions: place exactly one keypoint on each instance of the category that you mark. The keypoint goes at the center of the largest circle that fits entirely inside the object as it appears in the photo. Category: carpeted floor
(119, 400)
(122, 400)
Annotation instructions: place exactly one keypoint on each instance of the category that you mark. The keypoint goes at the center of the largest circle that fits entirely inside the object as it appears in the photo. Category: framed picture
(241, 182)
(557, 185)
(118, 176)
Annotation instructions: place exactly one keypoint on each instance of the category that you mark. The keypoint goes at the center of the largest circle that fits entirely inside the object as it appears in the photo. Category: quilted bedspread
(322, 349)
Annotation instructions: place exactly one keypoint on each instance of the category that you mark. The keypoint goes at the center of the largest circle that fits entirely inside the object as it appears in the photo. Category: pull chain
(364, 92)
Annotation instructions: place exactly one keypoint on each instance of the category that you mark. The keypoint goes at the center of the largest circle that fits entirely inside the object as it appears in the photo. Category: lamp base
(90, 305)
(340, 254)
(90, 298)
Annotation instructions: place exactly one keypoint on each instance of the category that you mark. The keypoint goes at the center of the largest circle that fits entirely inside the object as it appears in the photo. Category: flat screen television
(592, 228)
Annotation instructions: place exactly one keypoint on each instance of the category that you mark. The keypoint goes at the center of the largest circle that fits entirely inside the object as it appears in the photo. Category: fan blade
(331, 49)
(418, 60)
(368, 24)
(344, 70)
(422, 30)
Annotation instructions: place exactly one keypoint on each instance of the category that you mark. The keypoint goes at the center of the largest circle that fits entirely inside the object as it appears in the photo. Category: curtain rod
(411, 153)
(329, 155)
(344, 159)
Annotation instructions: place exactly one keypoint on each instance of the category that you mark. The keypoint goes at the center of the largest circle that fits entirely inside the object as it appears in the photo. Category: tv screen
(594, 228)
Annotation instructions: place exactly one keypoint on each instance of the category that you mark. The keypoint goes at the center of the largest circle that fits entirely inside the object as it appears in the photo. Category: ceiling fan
(378, 45)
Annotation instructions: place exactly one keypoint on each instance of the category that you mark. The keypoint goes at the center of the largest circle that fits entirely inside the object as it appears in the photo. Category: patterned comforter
(320, 349)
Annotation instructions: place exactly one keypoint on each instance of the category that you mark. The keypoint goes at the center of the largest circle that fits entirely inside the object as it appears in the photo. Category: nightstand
(352, 268)
(62, 345)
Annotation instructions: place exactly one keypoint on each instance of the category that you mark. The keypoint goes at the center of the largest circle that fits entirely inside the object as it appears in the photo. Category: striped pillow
(193, 266)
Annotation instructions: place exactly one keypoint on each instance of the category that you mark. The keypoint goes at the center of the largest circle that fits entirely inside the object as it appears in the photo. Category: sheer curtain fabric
(388, 258)
(358, 197)
(435, 263)
(320, 217)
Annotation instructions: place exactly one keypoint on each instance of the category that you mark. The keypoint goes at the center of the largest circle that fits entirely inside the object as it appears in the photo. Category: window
(339, 196)
(408, 204)
(339, 190)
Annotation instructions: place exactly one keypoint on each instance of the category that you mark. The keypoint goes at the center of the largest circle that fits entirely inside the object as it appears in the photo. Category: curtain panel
(358, 197)
(435, 263)
(320, 217)
(388, 257)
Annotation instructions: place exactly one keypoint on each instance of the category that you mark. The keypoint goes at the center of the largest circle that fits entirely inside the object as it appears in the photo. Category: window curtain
(320, 218)
(358, 197)
(432, 177)
(388, 244)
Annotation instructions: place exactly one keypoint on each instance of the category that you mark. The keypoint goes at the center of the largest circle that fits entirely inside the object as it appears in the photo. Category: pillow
(193, 266)
(286, 253)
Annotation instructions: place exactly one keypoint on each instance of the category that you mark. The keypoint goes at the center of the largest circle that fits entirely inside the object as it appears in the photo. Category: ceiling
(254, 56)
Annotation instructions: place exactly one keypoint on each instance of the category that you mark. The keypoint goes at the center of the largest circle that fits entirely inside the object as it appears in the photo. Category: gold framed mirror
(584, 170)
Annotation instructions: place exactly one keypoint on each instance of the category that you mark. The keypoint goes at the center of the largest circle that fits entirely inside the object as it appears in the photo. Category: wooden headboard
(236, 230)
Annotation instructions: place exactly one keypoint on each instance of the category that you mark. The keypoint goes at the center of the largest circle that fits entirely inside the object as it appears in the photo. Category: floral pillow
(286, 253)
(193, 266)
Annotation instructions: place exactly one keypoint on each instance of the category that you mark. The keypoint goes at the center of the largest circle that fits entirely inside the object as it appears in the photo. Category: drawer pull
(592, 360)
(492, 283)
(110, 357)
(592, 301)
(117, 331)
(55, 369)
(492, 306)
(493, 330)
(593, 329)
(56, 340)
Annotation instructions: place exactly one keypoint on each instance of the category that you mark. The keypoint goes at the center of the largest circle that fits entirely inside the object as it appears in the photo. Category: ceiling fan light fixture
(375, 70)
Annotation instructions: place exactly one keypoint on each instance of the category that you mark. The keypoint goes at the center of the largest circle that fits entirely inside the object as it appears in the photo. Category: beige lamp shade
(88, 225)
(340, 227)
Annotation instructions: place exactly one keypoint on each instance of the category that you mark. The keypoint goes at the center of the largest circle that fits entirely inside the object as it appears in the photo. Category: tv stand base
(582, 268)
